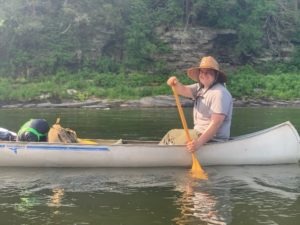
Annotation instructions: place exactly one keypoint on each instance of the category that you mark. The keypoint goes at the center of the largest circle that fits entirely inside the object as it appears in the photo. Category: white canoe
(276, 145)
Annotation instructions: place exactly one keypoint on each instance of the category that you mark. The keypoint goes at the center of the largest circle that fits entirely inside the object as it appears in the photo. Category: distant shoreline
(146, 102)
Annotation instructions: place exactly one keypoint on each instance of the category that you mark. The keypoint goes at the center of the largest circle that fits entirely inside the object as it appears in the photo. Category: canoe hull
(276, 145)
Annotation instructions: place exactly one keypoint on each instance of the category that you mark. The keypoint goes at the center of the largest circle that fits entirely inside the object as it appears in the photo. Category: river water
(247, 195)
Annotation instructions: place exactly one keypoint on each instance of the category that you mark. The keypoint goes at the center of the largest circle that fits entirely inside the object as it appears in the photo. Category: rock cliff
(189, 45)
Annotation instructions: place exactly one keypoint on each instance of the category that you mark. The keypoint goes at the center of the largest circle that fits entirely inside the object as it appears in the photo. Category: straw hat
(207, 62)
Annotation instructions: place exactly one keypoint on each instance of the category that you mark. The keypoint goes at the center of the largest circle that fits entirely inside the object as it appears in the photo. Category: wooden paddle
(196, 170)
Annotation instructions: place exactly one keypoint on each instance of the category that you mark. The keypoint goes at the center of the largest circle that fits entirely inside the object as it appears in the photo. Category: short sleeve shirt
(218, 100)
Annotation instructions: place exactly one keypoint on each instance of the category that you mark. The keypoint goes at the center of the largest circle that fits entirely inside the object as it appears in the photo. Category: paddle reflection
(56, 198)
(195, 205)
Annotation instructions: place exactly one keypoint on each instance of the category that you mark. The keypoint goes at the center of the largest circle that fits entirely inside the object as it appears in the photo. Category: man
(212, 105)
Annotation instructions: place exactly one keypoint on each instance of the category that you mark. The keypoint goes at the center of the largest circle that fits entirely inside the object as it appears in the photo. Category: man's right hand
(172, 81)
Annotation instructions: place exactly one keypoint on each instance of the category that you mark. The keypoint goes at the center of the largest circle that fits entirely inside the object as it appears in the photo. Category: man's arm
(208, 134)
(180, 88)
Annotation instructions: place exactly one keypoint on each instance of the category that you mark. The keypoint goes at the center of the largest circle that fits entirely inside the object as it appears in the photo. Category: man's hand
(192, 146)
(172, 81)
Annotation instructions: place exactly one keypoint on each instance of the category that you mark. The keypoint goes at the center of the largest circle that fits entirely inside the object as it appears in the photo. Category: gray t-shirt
(217, 99)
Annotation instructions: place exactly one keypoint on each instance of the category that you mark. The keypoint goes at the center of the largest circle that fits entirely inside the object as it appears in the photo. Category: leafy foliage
(42, 37)
(244, 83)
(247, 82)
(112, 36)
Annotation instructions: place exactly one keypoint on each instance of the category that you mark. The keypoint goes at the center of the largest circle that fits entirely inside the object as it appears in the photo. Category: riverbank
(146, 102)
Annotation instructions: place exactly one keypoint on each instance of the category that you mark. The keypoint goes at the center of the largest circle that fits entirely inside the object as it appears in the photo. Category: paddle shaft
(196, 170)
(181, 114)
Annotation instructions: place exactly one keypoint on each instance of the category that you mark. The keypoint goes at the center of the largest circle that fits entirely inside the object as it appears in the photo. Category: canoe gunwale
(121, 142)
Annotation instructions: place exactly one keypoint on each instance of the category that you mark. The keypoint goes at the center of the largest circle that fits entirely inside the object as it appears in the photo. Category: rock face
(189, 45)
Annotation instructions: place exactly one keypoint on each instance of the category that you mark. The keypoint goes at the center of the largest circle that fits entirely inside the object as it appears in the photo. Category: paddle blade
(197, 171)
